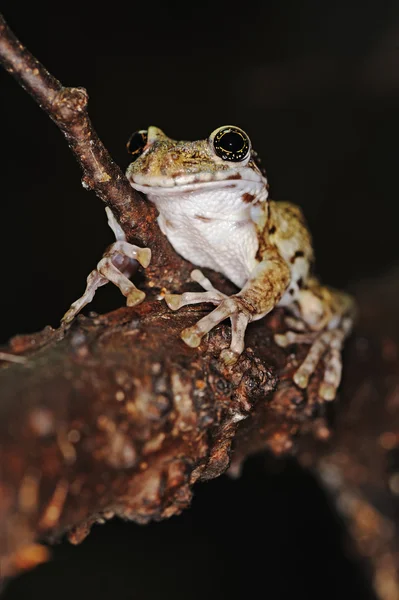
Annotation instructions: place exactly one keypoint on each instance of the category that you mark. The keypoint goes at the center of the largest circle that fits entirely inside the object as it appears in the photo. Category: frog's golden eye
(137, 143)
(231, 143)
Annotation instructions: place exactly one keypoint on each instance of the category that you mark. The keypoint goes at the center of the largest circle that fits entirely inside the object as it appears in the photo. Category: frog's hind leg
(330, 314)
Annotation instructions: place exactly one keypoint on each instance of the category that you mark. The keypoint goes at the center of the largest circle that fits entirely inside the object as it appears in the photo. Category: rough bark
(118, 416)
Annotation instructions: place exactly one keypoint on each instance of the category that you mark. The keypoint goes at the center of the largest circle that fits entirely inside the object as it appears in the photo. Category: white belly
(226, 246)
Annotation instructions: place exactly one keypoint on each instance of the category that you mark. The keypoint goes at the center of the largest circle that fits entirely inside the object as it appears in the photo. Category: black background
(316, 86)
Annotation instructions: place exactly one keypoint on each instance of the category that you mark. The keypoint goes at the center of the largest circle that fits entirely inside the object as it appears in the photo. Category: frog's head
(222, 168)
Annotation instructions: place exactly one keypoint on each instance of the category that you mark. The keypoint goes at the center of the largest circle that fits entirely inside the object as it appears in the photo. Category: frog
(212, 196)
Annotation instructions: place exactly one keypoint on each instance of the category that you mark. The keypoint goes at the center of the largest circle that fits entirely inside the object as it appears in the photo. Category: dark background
(316, 86)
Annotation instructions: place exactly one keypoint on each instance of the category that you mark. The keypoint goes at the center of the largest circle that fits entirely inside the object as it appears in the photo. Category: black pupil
(231, 144)
(136, 143)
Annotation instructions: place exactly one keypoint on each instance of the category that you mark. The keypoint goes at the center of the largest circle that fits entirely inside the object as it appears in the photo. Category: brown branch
(117, 416)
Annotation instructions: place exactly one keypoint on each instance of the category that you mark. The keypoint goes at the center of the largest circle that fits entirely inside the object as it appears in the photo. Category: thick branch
(119, 416)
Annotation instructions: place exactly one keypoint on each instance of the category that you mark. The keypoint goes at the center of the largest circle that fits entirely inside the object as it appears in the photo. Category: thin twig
(67, 107)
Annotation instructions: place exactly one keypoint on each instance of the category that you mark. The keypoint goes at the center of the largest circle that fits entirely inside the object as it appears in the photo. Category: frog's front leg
(259, 296)
(325, 320)
(116, 265)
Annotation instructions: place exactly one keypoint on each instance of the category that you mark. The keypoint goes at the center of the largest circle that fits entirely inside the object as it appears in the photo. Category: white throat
(210, 228)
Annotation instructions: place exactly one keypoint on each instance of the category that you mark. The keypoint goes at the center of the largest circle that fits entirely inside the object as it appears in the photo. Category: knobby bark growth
(115, 415)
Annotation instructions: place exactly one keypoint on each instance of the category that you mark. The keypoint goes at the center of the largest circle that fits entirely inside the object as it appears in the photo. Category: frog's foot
(325, 345)
(231, 307)
(116, 265)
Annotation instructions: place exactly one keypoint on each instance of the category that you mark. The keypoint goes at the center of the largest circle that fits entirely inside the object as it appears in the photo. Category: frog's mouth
(248, 181)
